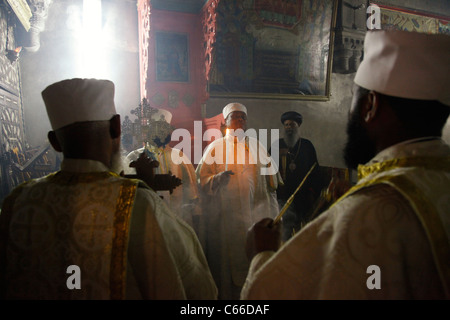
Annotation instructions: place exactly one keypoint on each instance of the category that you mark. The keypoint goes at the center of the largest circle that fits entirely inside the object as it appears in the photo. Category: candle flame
(227, 132)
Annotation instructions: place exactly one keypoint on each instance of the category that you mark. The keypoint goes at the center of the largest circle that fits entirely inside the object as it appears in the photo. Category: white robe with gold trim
(230, 210)
(86, 216)
(396, 218)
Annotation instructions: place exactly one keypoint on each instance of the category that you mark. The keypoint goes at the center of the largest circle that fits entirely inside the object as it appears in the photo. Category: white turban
(234, 106)
(162, 114)
(79, 100)
(406, 64)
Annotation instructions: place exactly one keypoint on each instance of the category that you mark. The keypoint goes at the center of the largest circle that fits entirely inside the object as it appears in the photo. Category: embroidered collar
(436, 163)
(427, 152)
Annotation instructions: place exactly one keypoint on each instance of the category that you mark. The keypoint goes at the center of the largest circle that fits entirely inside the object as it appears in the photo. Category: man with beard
(388, 236)
(297, 156)
(85, 232)
(238, 189)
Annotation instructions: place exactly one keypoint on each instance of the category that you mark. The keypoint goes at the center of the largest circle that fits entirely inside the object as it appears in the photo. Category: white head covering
(406, 64)
(162, 114)
(79, 100)
(234, 106)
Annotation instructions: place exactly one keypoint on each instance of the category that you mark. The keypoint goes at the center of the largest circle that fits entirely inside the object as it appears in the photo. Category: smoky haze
(67, 49)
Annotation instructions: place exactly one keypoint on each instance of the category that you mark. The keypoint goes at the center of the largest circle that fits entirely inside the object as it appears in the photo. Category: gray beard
(291, 139)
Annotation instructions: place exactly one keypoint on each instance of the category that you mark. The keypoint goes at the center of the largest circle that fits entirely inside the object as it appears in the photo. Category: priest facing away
(85, 232)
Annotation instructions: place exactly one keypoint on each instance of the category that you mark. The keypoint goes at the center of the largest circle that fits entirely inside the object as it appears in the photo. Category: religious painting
(412, 20)
(272, 49)
(9, 70)
(172, 57)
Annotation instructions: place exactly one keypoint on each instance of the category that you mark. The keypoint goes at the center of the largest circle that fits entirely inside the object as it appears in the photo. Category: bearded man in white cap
(388, 236)
(85, 232)
(236, 193)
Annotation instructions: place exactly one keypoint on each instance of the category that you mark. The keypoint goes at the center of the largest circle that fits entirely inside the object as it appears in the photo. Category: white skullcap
(234, 106)
(162, 114)
(406, 64)
(79, 100)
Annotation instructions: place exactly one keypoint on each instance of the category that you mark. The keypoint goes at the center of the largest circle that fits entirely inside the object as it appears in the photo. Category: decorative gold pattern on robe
(421, 203)
(396, 218)
(65, 219)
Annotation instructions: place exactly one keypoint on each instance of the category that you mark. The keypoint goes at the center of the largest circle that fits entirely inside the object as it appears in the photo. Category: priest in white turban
(238, 180)
(388, 236)
(85, 232)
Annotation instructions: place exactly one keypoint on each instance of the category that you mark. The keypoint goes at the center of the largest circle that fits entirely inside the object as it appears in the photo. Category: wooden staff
(291, 198)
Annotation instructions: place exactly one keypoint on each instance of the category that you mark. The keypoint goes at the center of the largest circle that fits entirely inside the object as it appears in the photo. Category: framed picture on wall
(412, 20)
(172, 57)
(272, 49)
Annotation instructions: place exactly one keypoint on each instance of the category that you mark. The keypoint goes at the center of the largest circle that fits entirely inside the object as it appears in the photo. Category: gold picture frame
(398, 18)
(273, 49)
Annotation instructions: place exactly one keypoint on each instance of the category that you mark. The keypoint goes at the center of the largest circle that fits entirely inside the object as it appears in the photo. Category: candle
(226, 149)
(291, 198)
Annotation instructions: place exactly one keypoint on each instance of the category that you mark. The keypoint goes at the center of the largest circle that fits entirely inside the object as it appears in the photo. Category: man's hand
(221, 179)
(263, 236)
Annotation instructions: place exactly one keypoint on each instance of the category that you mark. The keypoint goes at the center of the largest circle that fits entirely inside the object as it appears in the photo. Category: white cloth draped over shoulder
(175, 218)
